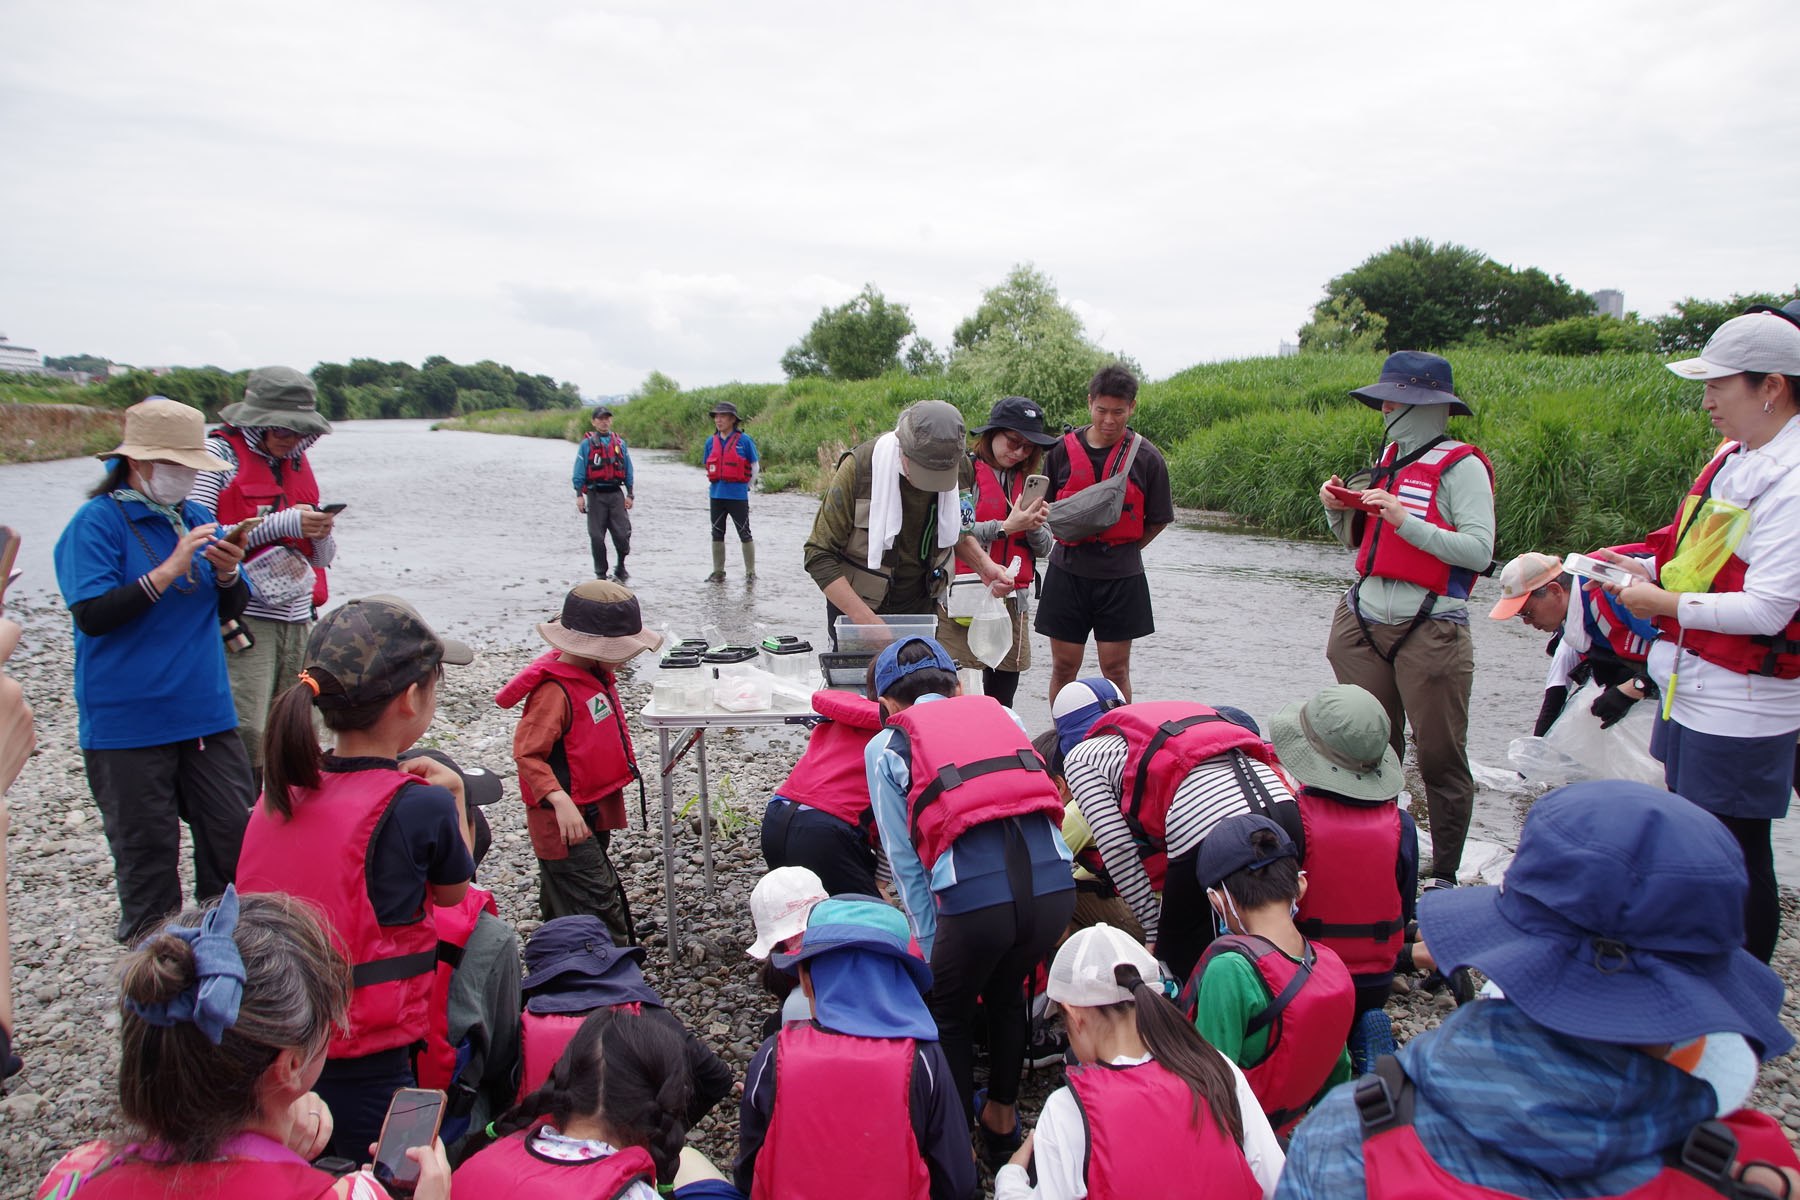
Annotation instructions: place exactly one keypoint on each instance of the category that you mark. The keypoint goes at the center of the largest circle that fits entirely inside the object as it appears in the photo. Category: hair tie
(211, 1003)
(309, 681)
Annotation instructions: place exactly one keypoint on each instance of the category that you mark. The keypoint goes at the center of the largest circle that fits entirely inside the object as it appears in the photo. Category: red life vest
(831, 775)
(596, 747)
(1747, 654)
(1396, 1165)
(254, 491)
(842, 1124)
(995, 503)
(509, 1168)
(543, 1038)
(84, 1171)
(1130, 525)
(1609, 630)
(1352, 902)
(455, 926)
(1165, 739)
(1142, 1136)
(605, 460)
(1384, 552)
(320, 853)
(1308, 1018)
(725, 461)
(971, 763)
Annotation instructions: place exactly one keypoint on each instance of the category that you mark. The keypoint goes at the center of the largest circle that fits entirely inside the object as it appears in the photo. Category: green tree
(924, 359)
(1595, 333)
(658, 384)
(858, 339)
(93, 364)
(1342, 325)
(1685, 330)
(1023, 340)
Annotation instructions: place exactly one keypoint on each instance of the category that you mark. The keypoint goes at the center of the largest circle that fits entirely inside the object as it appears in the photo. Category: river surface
(480, 532)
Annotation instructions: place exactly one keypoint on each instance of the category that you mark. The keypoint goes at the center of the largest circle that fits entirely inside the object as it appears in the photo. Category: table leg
(668, 839)
(705, 819)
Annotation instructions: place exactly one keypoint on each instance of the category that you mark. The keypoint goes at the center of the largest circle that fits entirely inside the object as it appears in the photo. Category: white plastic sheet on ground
(1482, 861)
(1577, 749)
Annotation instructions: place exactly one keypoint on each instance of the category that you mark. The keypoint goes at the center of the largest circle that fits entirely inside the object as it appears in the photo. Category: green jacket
(914, 571)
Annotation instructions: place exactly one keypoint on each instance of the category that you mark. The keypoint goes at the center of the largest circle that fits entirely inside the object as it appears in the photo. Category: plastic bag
(990, 630)
(1577, 749)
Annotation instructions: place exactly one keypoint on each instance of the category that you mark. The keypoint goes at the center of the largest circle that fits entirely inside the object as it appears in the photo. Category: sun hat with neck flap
(159, 429)
(1414, 377)
(600, 620)
(1338, 742)
(278, 398)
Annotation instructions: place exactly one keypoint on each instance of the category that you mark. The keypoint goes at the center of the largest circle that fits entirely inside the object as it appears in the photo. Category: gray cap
(1764, 342)
(933, 440)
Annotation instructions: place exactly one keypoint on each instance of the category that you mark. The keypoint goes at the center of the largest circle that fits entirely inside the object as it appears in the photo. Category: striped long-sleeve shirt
(1095, 770)
(279, 525)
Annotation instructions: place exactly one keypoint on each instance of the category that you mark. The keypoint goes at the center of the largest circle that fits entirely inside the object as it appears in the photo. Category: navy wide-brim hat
(578, 955)
(1413, 377)
(1621, 920)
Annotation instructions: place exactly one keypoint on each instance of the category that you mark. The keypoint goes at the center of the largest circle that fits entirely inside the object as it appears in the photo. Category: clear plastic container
(787, 657)
(681, 686)
(865, 639)
(727, 661)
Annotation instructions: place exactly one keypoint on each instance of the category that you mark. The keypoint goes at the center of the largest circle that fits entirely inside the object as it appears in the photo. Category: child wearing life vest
(224, 1018)
(967, 814)
(1152, 1110)
(779, 904)
(380, 846)
(1075, 710)
(857, 1101)
(573, 751)
(1273, 1002)
(819, 818)
(608, 1123)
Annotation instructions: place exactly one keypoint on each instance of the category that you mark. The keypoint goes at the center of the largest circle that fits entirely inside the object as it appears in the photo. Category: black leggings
(738, 511)
(1001, 685)
(1185, 927)
(1762, 904)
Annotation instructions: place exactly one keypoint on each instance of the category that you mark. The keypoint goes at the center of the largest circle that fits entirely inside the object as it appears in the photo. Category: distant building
(1609, 302)
(20, 360)
(1289, 349)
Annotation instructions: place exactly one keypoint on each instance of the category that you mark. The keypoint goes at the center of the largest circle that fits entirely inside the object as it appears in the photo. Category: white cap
(1082, 693)
(1082, 974)
(779, 904)
(1760, 342)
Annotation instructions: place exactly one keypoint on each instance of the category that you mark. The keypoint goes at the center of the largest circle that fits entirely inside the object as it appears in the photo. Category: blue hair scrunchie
(211, 1004)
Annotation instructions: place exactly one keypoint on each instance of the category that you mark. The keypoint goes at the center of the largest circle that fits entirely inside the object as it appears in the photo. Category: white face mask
(167, 483)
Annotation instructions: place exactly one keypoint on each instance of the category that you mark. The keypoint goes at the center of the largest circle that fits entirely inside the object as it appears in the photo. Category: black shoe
(1047, 1048)
(621, 575)
(995, 1149)
(1459, 982)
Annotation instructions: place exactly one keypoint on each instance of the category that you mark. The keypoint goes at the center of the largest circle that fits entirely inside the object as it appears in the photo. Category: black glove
(1611, 706)
(1554, 699)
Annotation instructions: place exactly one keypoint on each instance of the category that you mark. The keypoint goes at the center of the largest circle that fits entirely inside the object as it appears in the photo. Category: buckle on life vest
(1375, 1105)
(1709, 1151)
(949, 777)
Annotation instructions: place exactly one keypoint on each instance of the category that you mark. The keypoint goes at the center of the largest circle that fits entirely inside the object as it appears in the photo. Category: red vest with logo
(254, 490)
(725, 461)
(596, 746)
(842, 1124)
(1384, 552)
(1165, 739)
(605, 460)
(971, 763)
(1352, 902)
(995, 503)
(1747, 654)
(455, 926)
(84, 1172)
(1308, 1019)
(1397, 1166)
(832, 776)
(508, 1168)
(321, 854)
(1130, 525)
(1143, 1140)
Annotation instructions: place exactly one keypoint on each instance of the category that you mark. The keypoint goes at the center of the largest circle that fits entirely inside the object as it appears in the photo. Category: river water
(480, 532)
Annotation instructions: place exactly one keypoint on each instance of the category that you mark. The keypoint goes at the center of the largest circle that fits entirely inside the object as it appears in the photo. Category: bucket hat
(1338, 742)
(576, 960)
(1766, 342)
(1521, 577)
(600, 620)
(1413, 377)
(725, 408)
(1082, 972)
(889, 670)
(1621, 920)
(779, 904)
(278, 398)
(372, 649)
(1021, 416)
(163, 430)
(931, 437)
(853, 922)
(1229, 847)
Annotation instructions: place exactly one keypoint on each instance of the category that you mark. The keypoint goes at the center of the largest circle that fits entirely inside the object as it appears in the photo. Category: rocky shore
(62, 905)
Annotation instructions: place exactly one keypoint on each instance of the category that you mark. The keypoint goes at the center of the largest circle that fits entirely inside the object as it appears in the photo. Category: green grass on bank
(1587, 451)
(567, 424)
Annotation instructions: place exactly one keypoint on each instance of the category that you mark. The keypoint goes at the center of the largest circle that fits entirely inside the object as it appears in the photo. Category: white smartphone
(1036, 488)
(1597, 570)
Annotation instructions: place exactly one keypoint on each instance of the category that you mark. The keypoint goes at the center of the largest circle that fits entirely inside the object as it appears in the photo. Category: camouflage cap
(372, 649)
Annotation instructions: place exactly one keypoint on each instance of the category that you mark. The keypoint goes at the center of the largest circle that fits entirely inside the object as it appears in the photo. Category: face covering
(168, 483)
(1412, 425)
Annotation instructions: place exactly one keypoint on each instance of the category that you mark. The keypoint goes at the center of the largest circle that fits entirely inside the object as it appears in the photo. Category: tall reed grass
(566, 424)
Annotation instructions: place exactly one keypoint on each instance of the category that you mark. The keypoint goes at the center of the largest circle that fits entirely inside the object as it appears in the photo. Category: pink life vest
(1384, 552)
(508, 1169)
(725, 461)
(544, 1037)
(254, 491)
(1143, 1133)
(1308, 1018)
(455, 925)
(255, 1166)
(831, 775)
(1130, 525)
(596, 745)
(320, 853)
(1165, 739)
(842, 1124)
(995, 503)
(971, 763)
(1352, 902)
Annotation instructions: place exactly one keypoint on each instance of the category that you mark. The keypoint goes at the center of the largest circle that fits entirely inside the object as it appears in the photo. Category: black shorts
(1113, 610)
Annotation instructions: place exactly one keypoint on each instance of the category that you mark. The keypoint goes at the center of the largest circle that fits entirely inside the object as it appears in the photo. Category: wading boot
(749, 561)
(620, 574)
(718, 571)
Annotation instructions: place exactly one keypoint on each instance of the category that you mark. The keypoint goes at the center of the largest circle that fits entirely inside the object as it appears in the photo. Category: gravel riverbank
(62, 905)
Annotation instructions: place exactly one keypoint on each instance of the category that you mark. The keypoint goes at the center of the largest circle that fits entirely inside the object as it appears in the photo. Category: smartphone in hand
(412, 1120)
(1036, 488)
(333, 509)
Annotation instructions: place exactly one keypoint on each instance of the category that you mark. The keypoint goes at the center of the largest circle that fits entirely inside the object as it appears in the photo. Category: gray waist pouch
(1093, 510)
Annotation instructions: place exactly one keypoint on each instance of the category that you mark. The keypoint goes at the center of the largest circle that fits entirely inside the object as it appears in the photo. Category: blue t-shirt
(159, 678)
(720, 490)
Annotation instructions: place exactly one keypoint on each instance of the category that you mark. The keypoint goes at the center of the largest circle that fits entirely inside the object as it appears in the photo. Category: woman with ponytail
(1152, 1110)
(608, 1123)
(224, 1019)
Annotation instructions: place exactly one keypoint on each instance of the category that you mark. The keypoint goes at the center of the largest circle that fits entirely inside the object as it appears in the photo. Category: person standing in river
(604, 491)
(1423, 529)
(730, 458)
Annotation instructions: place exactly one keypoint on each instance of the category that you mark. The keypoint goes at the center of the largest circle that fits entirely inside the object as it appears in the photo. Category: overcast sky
(596, 190)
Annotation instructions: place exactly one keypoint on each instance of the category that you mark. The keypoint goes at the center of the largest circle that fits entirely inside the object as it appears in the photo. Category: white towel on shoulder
(884, 503)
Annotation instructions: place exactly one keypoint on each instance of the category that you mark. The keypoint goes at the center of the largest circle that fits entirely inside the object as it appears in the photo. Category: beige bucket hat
(163, 430)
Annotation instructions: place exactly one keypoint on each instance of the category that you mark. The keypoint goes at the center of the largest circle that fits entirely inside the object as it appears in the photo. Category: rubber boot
(718, 571)
(620, 574)
(749, 561)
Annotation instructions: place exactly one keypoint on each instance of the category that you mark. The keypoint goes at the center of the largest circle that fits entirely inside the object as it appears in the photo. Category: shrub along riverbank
(1586, 451)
